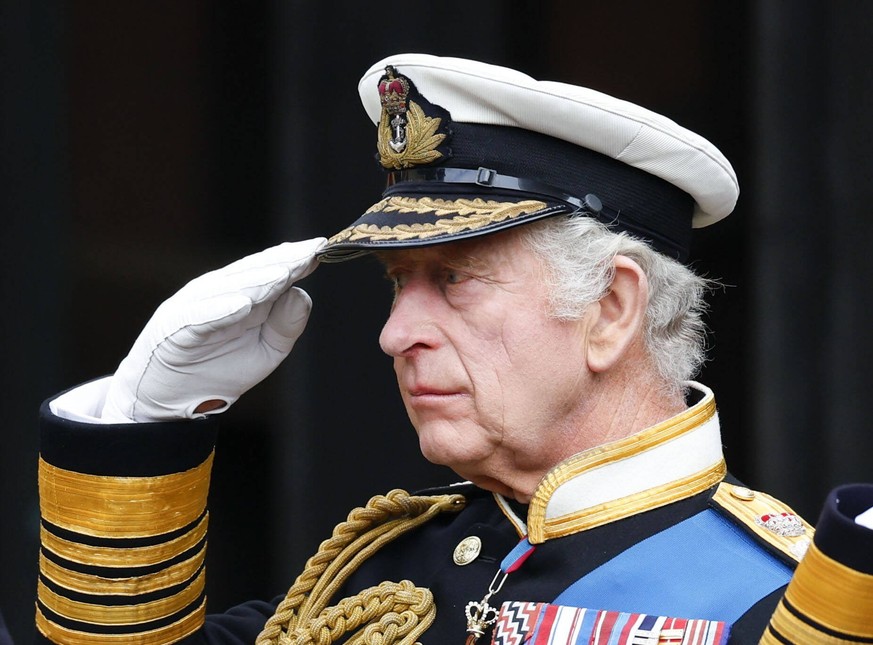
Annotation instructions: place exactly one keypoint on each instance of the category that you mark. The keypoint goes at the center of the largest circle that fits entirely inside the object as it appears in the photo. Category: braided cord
(401, 611)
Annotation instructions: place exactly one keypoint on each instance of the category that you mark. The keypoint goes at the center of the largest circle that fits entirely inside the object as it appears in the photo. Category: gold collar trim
(665, 463)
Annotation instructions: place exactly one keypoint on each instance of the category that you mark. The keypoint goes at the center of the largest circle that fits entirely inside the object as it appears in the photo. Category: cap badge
(784, 524)
(407, 136)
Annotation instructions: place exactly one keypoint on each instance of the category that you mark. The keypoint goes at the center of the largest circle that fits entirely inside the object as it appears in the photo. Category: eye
(455, 277)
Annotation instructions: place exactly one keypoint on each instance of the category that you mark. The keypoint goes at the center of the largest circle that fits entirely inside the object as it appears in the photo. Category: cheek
(489, 359)
(520, 343)
(500, 365)
(547, 353)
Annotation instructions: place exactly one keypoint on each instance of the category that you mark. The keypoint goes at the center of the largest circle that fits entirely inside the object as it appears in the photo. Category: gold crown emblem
(393, 92)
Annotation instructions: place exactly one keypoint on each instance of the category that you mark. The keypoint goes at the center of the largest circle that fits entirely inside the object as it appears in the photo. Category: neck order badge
(481, 615)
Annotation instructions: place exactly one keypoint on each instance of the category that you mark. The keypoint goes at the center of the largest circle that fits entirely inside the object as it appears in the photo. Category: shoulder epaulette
(766, 519)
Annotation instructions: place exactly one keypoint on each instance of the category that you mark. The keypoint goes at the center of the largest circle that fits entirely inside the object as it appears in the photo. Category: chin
(443, 450)
(436, 454)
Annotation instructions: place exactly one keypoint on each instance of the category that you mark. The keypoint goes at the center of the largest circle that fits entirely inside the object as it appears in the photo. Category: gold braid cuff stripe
(831, 594)
(793, 630)
(120, 507)
(469, 214)
(140, 556)
(169, 634)
(131, 586)
(121, 614)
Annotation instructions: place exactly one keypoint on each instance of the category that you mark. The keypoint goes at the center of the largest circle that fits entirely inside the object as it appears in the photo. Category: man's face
(494, 387)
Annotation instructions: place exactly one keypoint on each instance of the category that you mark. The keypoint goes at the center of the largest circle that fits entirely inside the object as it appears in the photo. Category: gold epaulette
(766, 518)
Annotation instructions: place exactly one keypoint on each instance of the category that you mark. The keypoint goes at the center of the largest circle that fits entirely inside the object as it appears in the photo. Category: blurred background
(144, 143)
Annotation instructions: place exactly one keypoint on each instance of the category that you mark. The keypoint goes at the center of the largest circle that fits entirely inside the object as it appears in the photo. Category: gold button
(467, 550)
(743, 493)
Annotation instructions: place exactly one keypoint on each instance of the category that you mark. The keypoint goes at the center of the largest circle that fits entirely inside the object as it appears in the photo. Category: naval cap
(472, 148)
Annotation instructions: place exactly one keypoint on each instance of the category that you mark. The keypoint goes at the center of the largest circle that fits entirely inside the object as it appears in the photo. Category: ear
(619, 317)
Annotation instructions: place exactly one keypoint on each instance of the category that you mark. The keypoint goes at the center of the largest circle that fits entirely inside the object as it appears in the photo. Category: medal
(481, 615)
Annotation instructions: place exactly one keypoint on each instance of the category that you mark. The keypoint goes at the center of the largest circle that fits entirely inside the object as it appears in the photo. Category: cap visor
(409, 219)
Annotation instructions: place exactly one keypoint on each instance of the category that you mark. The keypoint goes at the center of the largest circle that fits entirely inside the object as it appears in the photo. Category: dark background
(146, 142)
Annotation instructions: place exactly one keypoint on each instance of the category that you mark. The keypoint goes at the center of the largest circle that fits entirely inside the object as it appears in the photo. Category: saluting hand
(220, 335)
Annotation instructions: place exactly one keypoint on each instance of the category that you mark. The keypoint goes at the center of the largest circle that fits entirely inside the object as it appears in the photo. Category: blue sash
(704, 567)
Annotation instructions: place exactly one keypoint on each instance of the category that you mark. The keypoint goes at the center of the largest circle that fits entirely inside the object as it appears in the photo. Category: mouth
(426, 395)
(430, 391)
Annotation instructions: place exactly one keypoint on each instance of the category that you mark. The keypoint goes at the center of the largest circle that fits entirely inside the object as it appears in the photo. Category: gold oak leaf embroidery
(422, 140)
(470, 214)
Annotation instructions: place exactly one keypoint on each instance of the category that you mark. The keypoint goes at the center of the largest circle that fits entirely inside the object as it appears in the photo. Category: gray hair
(578, 254)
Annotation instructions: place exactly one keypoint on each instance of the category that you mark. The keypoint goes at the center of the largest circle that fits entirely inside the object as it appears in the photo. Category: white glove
(220, 335)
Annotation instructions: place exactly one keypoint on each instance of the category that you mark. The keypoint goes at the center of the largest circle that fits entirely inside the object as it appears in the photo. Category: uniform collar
(665, 463)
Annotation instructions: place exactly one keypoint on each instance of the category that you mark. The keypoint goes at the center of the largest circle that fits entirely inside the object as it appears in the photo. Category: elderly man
(543, 333)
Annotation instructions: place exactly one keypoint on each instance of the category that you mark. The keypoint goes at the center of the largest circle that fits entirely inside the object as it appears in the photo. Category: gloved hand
(220, 335)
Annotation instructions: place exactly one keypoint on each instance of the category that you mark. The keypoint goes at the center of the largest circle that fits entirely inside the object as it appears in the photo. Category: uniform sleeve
(123, 530)
(830, 597)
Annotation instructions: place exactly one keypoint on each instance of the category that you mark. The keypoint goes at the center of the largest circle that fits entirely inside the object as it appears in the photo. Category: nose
(412, 325)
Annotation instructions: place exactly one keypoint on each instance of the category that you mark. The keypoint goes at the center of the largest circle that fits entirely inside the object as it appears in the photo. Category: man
(543, 332)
